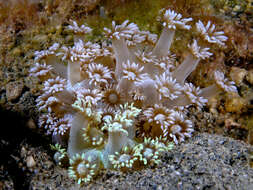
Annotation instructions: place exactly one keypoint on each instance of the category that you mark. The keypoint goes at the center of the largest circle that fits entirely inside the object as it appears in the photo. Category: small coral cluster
(121, 103)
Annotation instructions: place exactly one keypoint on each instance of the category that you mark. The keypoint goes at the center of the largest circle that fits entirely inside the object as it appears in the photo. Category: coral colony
(122, 104)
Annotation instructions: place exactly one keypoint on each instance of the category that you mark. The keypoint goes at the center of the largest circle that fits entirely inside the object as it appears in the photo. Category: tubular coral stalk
(58, 67)
(182, 100)
(122, 54)
(210, 91)
(221, 84)
(76, 143)
(73, 72)
(163, 45)
(66, 97)
(125, 86)
(185, 69)
(150, 92)
(116, 141)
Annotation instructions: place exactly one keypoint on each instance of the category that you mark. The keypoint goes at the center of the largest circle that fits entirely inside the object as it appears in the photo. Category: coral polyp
(83, 167)
(150, 150)
(124, 159)
(110, 92)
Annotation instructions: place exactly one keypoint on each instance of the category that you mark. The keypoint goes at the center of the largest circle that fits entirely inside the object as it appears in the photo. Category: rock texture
(204, 162)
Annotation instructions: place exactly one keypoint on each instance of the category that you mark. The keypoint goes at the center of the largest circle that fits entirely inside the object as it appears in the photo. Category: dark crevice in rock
(14, 132)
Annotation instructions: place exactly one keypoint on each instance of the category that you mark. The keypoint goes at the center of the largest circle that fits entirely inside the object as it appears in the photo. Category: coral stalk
(163, 45)
(122, 55)
(185, 68)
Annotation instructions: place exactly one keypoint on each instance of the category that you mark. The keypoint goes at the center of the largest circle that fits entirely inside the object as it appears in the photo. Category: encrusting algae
(123, 102)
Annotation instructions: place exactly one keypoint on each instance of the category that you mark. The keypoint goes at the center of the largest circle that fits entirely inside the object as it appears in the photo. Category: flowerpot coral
(109, 91)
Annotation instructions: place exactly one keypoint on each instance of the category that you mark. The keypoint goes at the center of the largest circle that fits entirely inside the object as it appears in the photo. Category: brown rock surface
(14, 90)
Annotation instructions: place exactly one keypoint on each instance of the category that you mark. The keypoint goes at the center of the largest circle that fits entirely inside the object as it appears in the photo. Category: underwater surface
(142, 100)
